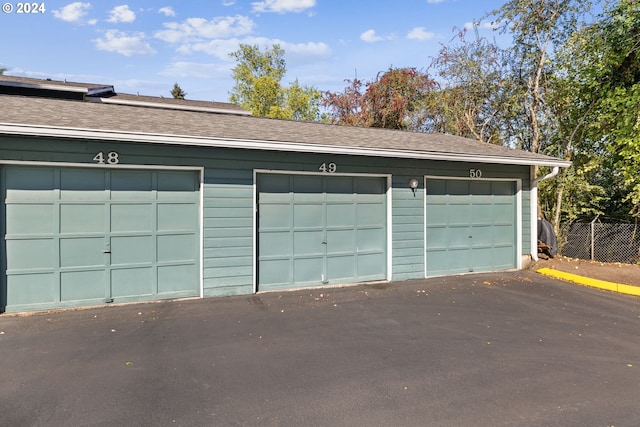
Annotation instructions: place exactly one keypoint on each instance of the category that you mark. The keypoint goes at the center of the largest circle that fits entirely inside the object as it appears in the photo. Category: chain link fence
(602, 241)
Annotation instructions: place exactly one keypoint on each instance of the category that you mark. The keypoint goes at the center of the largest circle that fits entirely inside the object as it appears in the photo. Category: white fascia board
(109, 135)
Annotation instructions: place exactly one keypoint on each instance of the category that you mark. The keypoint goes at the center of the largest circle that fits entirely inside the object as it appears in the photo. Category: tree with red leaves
(392, 101)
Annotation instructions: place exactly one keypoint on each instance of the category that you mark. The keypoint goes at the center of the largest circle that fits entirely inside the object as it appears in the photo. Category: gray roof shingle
(219, 129)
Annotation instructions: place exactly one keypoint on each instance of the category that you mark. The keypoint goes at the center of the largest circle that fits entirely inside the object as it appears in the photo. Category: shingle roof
(57, 117)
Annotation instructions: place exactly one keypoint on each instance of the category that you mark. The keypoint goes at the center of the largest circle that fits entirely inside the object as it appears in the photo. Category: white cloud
(124, 44)
(221, 48)
(121, 14)
(370, 36)
(420, 33)
(74, 12)
(198, 29)
(283, 6)
(167, 11)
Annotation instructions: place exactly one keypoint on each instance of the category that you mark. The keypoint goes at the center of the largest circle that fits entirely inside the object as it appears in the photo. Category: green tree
(538, 28)
(177, 92)
(258, 88)
(303, 103)
(473, 98)
(602, 67)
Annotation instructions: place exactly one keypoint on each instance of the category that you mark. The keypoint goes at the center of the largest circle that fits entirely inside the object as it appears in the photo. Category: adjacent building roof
(109, 116)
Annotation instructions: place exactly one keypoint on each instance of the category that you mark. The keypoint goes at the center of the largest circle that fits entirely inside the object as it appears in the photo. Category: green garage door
(471, 226)
(315, 230)
(76, 237)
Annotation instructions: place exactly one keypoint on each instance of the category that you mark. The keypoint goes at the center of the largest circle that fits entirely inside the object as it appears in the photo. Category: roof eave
(247, 144)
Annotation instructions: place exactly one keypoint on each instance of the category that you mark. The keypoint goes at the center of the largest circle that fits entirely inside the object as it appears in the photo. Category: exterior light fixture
(413, 184)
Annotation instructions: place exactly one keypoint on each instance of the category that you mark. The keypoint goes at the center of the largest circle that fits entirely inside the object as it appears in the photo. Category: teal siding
(228, 233)
(408, 229)
(228, 197)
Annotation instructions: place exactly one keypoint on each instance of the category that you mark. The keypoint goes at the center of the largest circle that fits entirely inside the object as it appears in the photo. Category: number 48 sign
(111, 158)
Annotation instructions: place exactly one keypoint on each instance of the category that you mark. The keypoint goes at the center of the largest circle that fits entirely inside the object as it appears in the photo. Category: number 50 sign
(475, 173)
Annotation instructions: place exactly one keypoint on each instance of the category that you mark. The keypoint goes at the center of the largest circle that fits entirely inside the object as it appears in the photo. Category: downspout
(534, 209)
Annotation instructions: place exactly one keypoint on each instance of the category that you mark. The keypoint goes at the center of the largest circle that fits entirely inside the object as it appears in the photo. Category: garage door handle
(106, 251)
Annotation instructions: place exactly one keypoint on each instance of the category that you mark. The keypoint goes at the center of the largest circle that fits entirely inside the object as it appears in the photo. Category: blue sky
(145, 46)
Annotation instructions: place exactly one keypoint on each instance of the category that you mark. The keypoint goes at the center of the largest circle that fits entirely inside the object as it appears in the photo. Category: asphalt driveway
(510, 349)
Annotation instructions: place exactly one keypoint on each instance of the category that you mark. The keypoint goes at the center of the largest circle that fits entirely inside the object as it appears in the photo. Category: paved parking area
(509, 349)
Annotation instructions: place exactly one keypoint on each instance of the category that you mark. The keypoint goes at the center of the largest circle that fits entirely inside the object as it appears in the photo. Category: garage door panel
(328, 229)
(132, 218)
(503, 190)
(82, 185)
(28, 289)
(82, 252)
(129, 282)
(276, 271)
(29, 184)
(30, 254)
(307, 215)
(305, 186)
(437, 214)
(503, 214)
(373, 264)
(106, 233)
(459, 214)
(371, 214)
(457, 236)
(177, 185)
(82, 218)
(371, 239)
(132, 185)
(306, 270)
(275, 216)
(275, 243)
(177, 216)
(82, 285)
(339, 187)
(473, 231)
(341, 241)
(306, 242)
(369, 189)
(177, 247)
(438, 238)
(482, 235)
(176, 278)
(481, 190)
(341, 215)
(503, 235)
(341, 267)
(31, 218)
(459, 190)
(126, 250)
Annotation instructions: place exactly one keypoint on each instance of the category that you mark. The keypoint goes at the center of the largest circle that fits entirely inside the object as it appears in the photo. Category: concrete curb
(594, 283)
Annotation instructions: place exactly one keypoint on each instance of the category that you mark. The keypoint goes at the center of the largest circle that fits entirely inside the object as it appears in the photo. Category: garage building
(110, 198)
